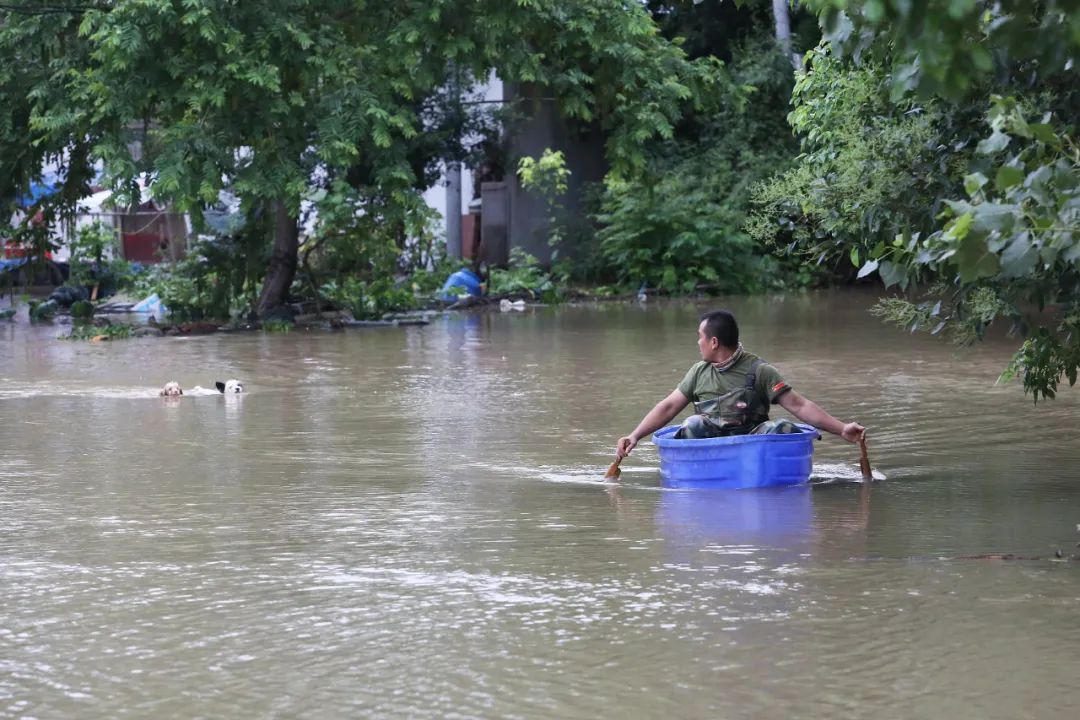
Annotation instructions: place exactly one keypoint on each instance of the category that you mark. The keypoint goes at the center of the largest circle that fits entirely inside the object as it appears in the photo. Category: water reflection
(780, 525)
(765, 518)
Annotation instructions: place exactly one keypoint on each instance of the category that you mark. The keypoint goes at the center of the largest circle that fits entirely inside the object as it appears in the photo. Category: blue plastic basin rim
(661, 438)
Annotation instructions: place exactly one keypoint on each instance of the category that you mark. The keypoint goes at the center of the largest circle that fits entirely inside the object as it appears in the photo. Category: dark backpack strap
(751, 375)
(759, 408)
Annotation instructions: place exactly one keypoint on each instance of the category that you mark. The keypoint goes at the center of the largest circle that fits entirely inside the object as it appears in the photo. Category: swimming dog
(229, 387)
(171, 389)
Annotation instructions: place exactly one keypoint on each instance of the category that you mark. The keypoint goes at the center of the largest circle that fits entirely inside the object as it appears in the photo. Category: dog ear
(220, 386)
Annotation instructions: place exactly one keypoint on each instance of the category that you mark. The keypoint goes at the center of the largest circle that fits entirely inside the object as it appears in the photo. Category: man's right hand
(853, 432)
(664, 412)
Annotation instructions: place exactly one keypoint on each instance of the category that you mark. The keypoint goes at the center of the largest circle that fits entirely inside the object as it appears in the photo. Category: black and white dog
(229, 387)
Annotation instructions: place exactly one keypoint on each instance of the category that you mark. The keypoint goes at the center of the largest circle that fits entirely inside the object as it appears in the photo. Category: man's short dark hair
(720, 324)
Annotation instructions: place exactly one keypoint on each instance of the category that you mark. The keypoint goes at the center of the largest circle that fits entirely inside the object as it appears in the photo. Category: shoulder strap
(751, 375)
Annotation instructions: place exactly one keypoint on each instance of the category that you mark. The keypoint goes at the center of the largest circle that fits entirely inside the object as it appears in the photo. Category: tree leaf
(974, 182)
(1008, 176)
(1045, 133)
(997, 142)
(1019, 257)
(974, 260)
(989, 217)
(891, 273)
(959, 227)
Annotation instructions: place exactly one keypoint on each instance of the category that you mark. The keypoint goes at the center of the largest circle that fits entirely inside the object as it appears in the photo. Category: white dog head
(171, 389)
(230, 386)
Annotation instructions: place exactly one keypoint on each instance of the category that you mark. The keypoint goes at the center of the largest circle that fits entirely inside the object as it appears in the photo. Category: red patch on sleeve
(779, 386)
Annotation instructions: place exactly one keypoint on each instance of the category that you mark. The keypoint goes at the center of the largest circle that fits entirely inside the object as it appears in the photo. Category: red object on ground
(13, 250)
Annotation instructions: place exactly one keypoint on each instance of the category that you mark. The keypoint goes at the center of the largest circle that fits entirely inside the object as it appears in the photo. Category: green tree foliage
(360, 257)
(869, 169)
(546, 175)
(939, 152)
(945, 48)
(721, 28)
(680, 223)
(275, 100)
(40, 52)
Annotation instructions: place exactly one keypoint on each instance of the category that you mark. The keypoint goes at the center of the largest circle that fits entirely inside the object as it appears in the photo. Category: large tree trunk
(782, 18)
(282, 268)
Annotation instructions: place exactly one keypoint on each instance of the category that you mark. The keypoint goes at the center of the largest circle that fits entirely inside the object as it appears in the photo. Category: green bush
(373, 254)
(369, 300)
(95, 257)
(120, 331)
(524, 275)
(680, 224)
(571, 234)
(427, 282)
(870, 168)
(42, 310)
(217, 280)
(277, 326)
(682, 227)
(81, 310)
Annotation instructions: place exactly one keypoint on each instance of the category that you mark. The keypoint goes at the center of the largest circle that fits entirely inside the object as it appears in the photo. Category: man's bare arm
(664, 412)
(811, 413)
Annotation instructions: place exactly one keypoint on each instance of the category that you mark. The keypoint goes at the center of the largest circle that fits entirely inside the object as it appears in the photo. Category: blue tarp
(464, 279)
(12, 263)
(151, 304)
(37, 191)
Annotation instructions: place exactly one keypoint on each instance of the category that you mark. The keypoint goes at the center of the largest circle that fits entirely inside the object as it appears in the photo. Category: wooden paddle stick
(613, 472)
(864, 460)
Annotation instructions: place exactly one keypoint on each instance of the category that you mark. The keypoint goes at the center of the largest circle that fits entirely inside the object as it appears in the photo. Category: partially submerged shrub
(277, 326)
(119, 331)
(524, 275)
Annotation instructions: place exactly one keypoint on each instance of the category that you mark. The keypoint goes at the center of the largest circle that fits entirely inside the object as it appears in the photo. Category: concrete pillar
(453, 211)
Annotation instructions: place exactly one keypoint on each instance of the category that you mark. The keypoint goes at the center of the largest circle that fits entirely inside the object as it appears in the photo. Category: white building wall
(435, 196)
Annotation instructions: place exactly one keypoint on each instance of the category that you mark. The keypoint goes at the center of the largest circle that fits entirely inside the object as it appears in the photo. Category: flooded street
(411, 522)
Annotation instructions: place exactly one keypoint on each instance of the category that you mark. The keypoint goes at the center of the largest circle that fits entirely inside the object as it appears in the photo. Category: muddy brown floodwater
(411, 522)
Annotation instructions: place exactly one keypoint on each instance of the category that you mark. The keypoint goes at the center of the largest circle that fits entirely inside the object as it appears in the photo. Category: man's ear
(220, 386)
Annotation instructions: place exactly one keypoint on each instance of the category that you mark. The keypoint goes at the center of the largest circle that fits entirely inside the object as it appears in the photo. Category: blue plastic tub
(736, 462)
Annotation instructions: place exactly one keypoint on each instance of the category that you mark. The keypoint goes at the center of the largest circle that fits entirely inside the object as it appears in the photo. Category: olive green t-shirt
(704, 382)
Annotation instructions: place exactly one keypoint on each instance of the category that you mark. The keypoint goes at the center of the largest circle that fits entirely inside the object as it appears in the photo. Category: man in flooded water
(731, 390)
